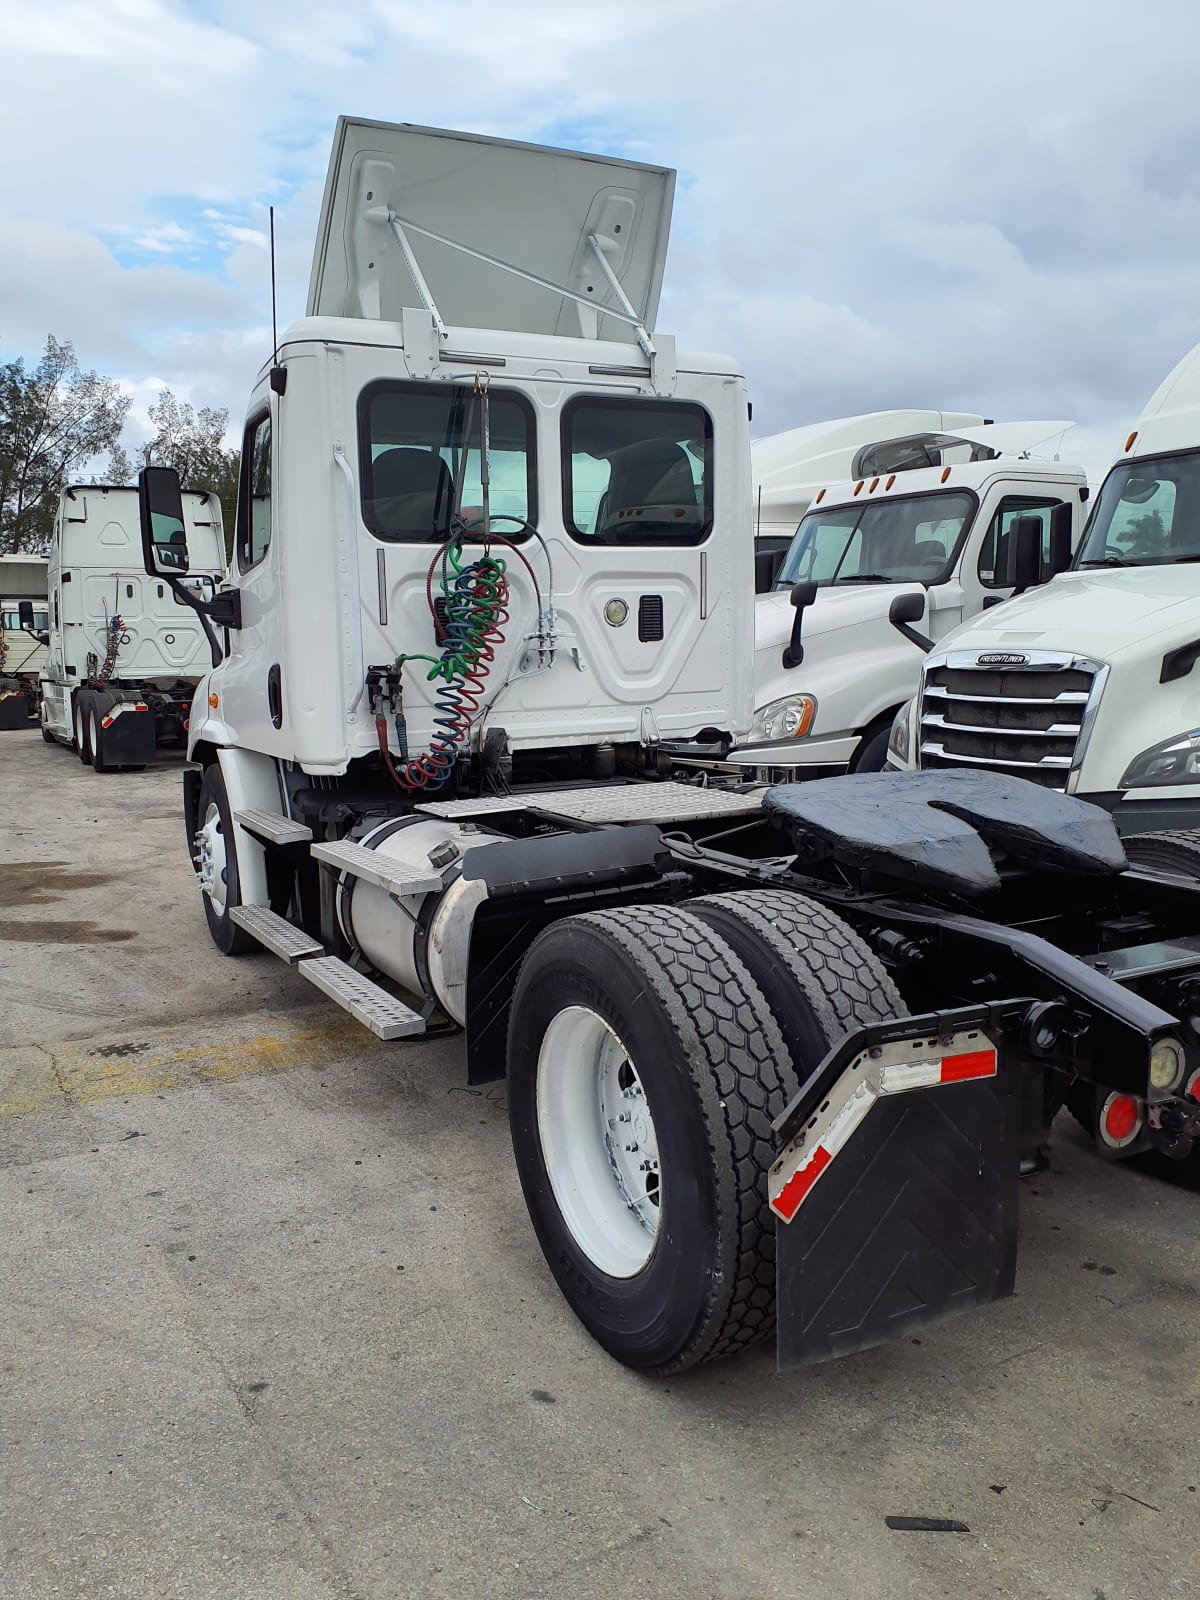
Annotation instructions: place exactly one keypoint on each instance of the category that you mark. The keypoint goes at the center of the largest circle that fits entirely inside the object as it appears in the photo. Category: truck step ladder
(387, 1017)
(289, 943)
(273, 826)
(395, 877)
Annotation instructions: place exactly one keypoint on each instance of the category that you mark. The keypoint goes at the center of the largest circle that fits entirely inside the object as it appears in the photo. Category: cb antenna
(278, 373)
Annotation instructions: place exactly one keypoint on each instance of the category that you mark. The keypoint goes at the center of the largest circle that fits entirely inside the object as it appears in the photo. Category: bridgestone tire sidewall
(645, 1319)
(226, 935)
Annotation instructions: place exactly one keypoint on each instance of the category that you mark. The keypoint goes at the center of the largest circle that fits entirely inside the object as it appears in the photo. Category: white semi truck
(773, 1056)
(24, 618)
(123, 653)
(789, 468)
(1087, 686)
(831, 669)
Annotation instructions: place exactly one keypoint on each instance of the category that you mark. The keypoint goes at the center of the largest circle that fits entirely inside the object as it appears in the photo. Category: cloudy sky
(983, 207)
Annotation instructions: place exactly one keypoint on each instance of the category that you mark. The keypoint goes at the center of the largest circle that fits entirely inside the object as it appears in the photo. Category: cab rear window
(636, 472)
(418, 442)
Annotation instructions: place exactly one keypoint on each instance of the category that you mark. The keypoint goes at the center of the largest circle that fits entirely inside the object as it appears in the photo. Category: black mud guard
(129, 740)
(912, 1219)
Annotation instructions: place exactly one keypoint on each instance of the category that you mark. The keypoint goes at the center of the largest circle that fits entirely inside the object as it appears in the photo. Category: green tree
(192, 442)
(54, 419)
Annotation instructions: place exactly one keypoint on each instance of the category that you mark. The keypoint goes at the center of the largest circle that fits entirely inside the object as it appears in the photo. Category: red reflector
(973, 1064)
(787, 1203)
(140, 707)
(1193, 1087)
(107, 722)
(187, 722)
(1122, 1116)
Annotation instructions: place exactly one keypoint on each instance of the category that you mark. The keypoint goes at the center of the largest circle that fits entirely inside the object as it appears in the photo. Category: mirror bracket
(803, 594)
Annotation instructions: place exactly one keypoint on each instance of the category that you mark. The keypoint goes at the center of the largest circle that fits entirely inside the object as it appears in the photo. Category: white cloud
(932, 206)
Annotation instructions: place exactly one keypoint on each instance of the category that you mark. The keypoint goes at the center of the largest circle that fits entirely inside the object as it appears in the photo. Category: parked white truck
(123, 653)
(788, 469)
(1087, 686)
(771, 1061)
(24, 618)
(831, 668)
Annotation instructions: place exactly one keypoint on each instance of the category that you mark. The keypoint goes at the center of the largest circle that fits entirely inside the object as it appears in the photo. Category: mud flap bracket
(902, 1194)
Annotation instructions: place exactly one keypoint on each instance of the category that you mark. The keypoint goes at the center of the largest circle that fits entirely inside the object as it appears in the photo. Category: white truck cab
(24, 620)
(489, 625)
(942, 534)
(123, 654)
(789, 468)
(1089, 685)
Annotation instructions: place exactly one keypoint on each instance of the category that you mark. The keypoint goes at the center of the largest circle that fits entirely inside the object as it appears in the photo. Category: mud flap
(128, 741)
(903, 1203)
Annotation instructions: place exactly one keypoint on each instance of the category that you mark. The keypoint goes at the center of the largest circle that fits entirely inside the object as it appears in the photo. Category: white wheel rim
(93, 732)
(79, 727)
(599, 1142)
(211, 842)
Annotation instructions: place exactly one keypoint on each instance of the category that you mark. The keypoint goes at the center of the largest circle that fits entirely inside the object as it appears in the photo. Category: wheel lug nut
(631, 1147)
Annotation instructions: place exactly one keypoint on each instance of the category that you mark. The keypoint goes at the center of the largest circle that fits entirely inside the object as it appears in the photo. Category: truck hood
(848, 607)
(1100, 613)
(461, 198)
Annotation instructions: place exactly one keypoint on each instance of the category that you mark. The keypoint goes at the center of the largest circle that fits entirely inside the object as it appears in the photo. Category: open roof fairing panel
(392, 188)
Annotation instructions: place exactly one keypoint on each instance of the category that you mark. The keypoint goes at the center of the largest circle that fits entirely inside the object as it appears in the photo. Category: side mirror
(766, 569)
(164, 538)
(25, 615)
(803, 594)
(906, 609)
(1025, 554)
(1062, 520)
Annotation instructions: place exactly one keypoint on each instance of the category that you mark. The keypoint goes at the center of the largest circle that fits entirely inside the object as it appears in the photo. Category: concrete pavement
(275, 1324)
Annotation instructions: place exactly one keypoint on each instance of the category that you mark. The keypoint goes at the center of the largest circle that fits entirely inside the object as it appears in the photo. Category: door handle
(275, 695)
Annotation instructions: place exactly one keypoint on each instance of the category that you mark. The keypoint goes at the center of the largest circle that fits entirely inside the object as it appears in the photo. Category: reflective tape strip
(942, 1069)
(892, 1068)
(787, 1202)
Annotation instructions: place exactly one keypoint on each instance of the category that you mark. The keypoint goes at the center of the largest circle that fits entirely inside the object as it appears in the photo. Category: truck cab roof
(973, 475)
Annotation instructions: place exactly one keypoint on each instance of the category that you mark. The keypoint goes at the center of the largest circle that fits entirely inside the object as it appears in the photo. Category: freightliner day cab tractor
(24, 618)
(124, 654)
(773, 1056)
(788, 469)
(831, 667)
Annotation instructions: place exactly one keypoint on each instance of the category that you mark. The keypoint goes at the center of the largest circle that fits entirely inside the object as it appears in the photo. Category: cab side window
(994, 551)
(254, 494)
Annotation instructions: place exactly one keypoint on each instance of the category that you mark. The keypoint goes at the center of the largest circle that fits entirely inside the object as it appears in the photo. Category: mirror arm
(923, 644)
(225, 609)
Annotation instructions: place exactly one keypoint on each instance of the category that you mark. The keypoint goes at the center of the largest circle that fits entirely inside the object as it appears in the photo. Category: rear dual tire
(698, 1023)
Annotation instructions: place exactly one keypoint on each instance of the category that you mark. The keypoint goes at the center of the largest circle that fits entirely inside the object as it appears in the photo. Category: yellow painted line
(46, 1078)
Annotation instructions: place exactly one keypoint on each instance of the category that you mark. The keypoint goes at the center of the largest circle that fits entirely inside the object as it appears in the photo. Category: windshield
(1147, 514)
(879, 541)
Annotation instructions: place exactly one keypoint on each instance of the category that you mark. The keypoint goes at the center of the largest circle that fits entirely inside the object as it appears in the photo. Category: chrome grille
(1029, 719)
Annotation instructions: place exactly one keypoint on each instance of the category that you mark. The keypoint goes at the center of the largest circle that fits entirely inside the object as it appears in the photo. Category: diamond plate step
(396, 877)
(290, 943)
(387, 1017)
(273, 826)
(612, 803)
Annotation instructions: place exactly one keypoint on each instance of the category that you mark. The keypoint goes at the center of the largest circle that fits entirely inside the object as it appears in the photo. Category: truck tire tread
(731, 1050)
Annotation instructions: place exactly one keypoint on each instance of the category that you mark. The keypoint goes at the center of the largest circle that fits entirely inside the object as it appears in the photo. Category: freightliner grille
(1027, 717)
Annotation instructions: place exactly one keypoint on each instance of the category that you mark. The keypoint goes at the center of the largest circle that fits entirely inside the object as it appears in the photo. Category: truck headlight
(1176, 760)
(900, 739)
(1167, 1061)
(789, 718)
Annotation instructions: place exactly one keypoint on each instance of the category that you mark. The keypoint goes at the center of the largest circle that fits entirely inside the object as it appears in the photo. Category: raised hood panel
(530, 206)
(1096, 613)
